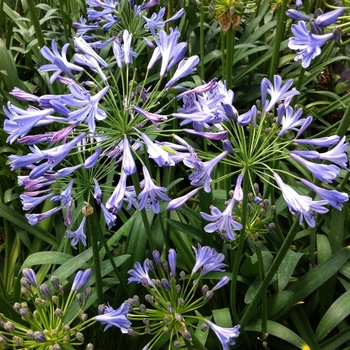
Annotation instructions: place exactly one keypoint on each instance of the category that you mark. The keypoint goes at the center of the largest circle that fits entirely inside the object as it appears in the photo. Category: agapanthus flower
(225, 335)
(305, 206)
(117, 318)
(308, 45)
(222, 222)
(81, 279)
(170, 302)
(150, 194)
(78, 235)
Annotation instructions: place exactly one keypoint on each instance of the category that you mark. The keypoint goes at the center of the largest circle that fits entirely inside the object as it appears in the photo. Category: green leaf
(190, 231)
(287, 267)
(334, 315)
(222, 317)
(41, 258)
(279, 331)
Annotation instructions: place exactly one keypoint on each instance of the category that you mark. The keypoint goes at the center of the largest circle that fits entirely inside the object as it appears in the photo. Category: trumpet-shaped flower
(180, 201)
(334, 197)
(208, 259)
(29, 202)
(33, 219)
(299, 204)
(201, 177)
(324, 172)
(222, 222)
(117, 318)
(308, 45)
(185, 67)
(291, 121)
(78, 235)
(139, 274)
(115, 201)
(277, 92)
(129, 166)
(80, 280)
(225, 335)
(157, 153)
(59, 63)
(150, 194)
(337, 154)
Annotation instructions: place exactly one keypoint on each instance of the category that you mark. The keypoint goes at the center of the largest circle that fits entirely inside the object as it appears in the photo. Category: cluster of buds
(171, 304)
(46, 314)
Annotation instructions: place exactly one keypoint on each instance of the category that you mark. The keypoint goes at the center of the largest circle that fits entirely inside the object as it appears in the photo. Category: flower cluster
(275, 138)
(105, 119)
(47, 326)
(308, 44)
(172, 305)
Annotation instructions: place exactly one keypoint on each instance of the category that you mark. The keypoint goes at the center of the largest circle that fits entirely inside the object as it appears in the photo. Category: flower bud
(80, 279)
(17, 307)
(187, 335)
(89, 347)
(208, 295)
(145, 321)
(156, 257)
(165, 265)
(79, 336)
(80, 298)
(101, 309)
(165, 284)
(58, 313)
(24, 313)
(18, 341)
(31, 276)
(143, 308)
(66, 328)
(54, 347)
(149, 264)
(272, 226)
(39, 337)
(205, 288)
(55, 281)
(177, 344)
(178, 288)
(88, 293)
(337, 35)
(29, 334)
(54, 299)
(2, 339)
(45, 291)
(9, 327)
(25, 283)
(204, 327)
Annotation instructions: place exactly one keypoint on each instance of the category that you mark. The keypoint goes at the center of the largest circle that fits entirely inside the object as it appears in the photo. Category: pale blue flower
(108, 216)
(201, 177)
(324, 172)
(92, 160)
(129, 165)
(245, 118)
(157, 153)
(78, 235)
(334, 197)
(326, 141)
(33, 219)
(185, 67)
(80, 279)
(308, 45)
(59, 62)
(29, 201)
(151, 193)
(180, 201)
(277, 91)
(207, 258)
(225, 335)
(84, 47)
(83, 27)
(117, 318)
(329, 17)
(299, 204)
(154, 118)
(215, 136)
(115, 201)
(222, 222)
(30, 275)
(172, 262)
(337, 154)
(223, 281)
(139, 274)
(291, 121)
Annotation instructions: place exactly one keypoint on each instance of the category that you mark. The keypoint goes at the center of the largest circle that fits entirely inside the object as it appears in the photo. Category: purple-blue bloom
(59, 62)
(80, 279)
(151, 193)
(201, 177)
(129, 165)
(84, 47)
(208, 259)
(320, 141)
(29, 201)
(324, 172)
(157, 153)
(291, 121)
(299, 204)
(33, 219)
(109, 217)
(117, 318)
(337, 154)
(115, 201)
(223, 281)
(308, 45)
(30, 275)
(185, 67)
(139, 274)
(334, 197)
(225, 335)
(180, 201)
(78, 235)
(329, 18)
(277, 92)
(222, 222)
(172, 262)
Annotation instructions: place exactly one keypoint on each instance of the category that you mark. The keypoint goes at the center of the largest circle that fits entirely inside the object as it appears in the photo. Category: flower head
(78, 235)
(117, 318)
(225, 335)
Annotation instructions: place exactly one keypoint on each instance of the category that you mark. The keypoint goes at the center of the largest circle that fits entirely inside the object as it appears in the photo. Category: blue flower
(225, 335)
(172, 262)
(140, 275)
(201, 177)
(180, 201)
(329, 18)
(324, 172)
(308, 45)
(30, 275)
(319, 141)
(185, 67)
(291, 121)
(277, 92)
(222, 222)
(29, 201)
(151, 193)
(223, 281)
(33, 219)
(157, 153)
(117, 318)
(115, 201)
(84, 47)
(335, 198)
(80, 279)
(208, 259)
(299, 204)
(77, 235)
(59, 62)
(129, 166)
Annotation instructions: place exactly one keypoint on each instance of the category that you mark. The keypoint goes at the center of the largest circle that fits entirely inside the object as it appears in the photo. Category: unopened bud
(55, 281)
(18, 341)
(39, 337)
(337, 35)
(66, 328)
(45, 291)
(79, 336)
(9, 327)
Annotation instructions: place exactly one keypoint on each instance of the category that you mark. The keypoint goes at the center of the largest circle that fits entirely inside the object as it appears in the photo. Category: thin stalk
(92, 224)
(281, 24)
(201, 43)
(206, 200)
(272, 270)
(35, 20)
(223, 54)
(230, 42)
(239, 252)
(7, 241)
(264, 297)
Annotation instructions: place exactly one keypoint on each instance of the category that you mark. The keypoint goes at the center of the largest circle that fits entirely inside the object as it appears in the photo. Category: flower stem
(230, 42)
(238, 253)
(201, 43)
(272, 270)
(92, 224)
(281, 24)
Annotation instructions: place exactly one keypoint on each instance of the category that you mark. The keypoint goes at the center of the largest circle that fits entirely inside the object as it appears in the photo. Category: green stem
(272, 270)
(35, 20)
(239, 252)
(344, 124)
(201, 43)
(281, 24)
(92, 227)
(230, 42)
(264, 297)
(223, 54)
